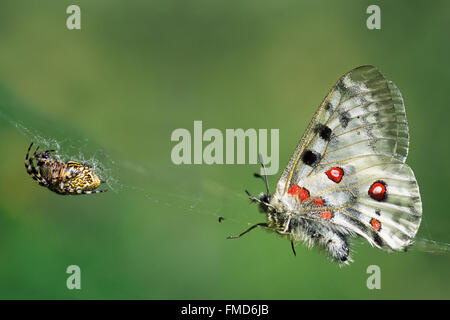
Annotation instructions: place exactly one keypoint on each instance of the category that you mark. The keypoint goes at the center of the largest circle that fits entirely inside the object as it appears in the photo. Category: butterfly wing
(350, 162)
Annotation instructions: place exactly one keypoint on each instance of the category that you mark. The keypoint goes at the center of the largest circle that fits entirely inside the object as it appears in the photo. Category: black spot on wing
(344, 119)
(324, 131)
(377, 239)
(311, 157)
(341, 86)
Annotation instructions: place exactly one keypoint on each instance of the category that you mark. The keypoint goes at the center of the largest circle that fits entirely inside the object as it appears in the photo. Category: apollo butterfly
(347, 177)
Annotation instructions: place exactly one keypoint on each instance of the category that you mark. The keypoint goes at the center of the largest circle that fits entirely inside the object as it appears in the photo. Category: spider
(66, 178)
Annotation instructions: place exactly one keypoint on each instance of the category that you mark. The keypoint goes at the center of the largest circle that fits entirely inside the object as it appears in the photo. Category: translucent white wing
(348, 168)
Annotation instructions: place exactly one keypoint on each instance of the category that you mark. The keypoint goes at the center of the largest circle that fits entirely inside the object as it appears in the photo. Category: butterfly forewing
(362, 114)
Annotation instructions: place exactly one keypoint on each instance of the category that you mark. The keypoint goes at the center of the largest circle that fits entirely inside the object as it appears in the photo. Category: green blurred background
(114, 91)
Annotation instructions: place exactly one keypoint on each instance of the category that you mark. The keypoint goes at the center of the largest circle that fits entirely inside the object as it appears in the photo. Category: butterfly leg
(286, 228)
(252, 197)
(263, 202)
(293, 249)
(262, 224)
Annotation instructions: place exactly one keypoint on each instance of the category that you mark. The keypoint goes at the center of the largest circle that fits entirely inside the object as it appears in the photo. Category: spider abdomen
(85, 179)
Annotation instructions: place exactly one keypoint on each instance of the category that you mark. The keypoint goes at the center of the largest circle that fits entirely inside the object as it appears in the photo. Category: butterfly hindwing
(388, 219)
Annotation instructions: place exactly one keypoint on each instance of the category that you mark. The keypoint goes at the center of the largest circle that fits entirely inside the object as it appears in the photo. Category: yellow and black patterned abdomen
(84, 178)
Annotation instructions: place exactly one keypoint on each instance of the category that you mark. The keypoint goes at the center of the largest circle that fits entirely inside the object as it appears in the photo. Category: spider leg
(47, 152)
(28, 152)
(34, 173)
(29, 164)
(93, 191)
(41, 181)
(32, 170)
(30, 161)
(44, 154)
(35, 154)
(70, 191)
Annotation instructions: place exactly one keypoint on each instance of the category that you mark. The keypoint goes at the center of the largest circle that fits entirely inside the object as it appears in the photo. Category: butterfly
(347, 177)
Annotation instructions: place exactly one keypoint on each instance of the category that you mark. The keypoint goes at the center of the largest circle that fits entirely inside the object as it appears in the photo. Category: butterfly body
(285, 218)
(347, 177)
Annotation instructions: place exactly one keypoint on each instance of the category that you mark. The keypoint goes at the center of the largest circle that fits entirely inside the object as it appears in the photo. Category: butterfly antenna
(265, 173)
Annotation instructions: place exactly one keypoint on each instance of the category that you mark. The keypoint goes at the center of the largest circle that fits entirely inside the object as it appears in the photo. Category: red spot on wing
(375, 224)
(293, 191)
(327, 215)
(335, 174)
(377, 191)
(318, 202)
(302, 193)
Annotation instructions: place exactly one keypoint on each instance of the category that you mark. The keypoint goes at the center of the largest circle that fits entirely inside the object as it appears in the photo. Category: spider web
(431, 246)
(84, 150)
